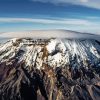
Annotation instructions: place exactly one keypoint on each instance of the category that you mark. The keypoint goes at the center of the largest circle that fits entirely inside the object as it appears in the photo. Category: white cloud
(47, 21)
(87, 3)
(84, 1)
(83, 25)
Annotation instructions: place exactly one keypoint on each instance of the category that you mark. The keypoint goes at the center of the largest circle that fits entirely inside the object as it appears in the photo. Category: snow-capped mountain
(60, 51)
(64, 69)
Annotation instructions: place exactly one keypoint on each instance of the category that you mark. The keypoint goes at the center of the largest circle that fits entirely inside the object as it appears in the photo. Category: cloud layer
(87, 3)
(83, 25)
(47, 21)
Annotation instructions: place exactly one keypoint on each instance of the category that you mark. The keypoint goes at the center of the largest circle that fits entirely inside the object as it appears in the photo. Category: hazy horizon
(40, 34)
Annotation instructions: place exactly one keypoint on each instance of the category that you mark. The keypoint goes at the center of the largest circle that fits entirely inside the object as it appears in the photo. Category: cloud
(47, 21)
(84, 1)
(88, 24)
(87, 3)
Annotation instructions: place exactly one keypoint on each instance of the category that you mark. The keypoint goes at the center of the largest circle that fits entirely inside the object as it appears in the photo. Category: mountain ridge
(58, 69)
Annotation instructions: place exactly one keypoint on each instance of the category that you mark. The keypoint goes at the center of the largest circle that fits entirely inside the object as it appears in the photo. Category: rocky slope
(50, 69)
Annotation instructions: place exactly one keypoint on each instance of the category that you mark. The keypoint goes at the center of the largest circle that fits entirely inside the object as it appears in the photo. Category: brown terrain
(21, 82)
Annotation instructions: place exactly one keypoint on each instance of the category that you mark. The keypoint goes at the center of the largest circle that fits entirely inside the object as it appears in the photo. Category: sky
(24, 15)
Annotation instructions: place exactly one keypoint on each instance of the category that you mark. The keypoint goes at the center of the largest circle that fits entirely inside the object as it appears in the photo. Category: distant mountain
(50, 69)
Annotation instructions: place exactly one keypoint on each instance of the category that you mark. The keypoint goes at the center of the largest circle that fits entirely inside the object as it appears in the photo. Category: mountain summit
(50, 69)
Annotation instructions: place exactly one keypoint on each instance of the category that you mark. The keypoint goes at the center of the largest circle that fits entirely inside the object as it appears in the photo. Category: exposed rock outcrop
(50, 69)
